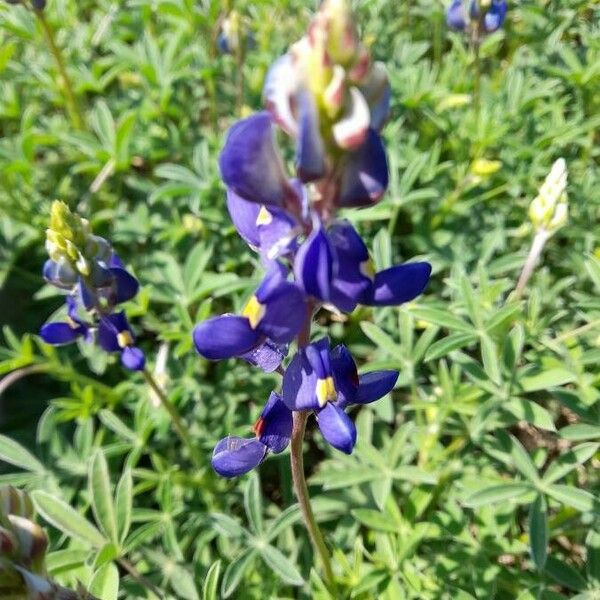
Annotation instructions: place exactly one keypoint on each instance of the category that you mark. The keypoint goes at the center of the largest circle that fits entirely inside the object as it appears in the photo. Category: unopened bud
(549, 210)
(31, 539)
(482, 167)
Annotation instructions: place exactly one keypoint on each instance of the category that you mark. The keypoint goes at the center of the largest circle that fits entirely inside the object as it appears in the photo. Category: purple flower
(458, 19)
(270, 230)
(495, 16)
(271, 318)
(108, 284)
(115, 335)
(334, 266)
(456, 16)
(66, 332)
(252, 168)
(235, 456)
(327, 382)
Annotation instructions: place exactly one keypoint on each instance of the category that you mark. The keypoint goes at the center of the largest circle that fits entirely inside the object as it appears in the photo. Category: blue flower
(252, 168)
(334, 266)
(235, 456)
(115, 335)
(71, 329)
(327, 382)
(493, 17)
(107, 285)
(271, 318)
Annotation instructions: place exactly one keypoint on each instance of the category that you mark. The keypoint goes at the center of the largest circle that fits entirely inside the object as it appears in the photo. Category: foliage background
(477, 477)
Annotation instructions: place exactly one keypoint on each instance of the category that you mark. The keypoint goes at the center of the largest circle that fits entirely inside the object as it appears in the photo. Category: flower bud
(549, 210)
(31, 539)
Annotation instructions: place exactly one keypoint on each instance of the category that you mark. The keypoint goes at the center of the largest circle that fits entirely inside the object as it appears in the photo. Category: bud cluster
(549, 209)
(86, 267)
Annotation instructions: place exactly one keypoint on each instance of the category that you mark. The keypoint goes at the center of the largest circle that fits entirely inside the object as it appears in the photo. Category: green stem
(297, 462)
(176, 419)
(67, 85)
(575, 332)
(539, 241)
(477, 80)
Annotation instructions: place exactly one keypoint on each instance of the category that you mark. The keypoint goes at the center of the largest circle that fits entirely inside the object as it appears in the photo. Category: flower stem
(540, 239)
(297, 462)
(176, 419)
(67, 85)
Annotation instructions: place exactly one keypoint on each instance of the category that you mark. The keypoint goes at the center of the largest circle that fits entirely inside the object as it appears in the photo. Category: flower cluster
(95, 281)
(485, 16)
(330, 98)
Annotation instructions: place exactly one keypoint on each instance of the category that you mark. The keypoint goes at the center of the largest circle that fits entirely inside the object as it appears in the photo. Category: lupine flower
(86, 267)
(234, 456)
(115, 335)
(233, 34)
(327, 382)
(273, 316)
(65, 332)
(334, 266)
(494, 14)
(86, 262)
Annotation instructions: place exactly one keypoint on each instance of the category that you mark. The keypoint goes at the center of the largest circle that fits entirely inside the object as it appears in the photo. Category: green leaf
(333, 479)
(547, 379)
(226, 526)
(211, 581)
(448, 344)
(66, 519)
(522, 461)
(13, 453)
(381, 339)
(498, 493)
(280, 565)
(571, 496)
(101, 495)
(235, 571)
(538, 532)
(489, 358)
(442, 318)
(374, 519)
(183, 583)
(124, 504)
(414, 474)
(252, 503)
(592, 543)
(580, 431)
(568, 461)
(564, 574)
(284, 520)
(105, 582)
(529, 411)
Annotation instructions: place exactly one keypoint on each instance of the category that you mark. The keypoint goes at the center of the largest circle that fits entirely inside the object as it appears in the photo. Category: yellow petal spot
(367, 269)
(124, 339)
(71, 323)
(325, 391)
(264, 216)
(254, 311)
